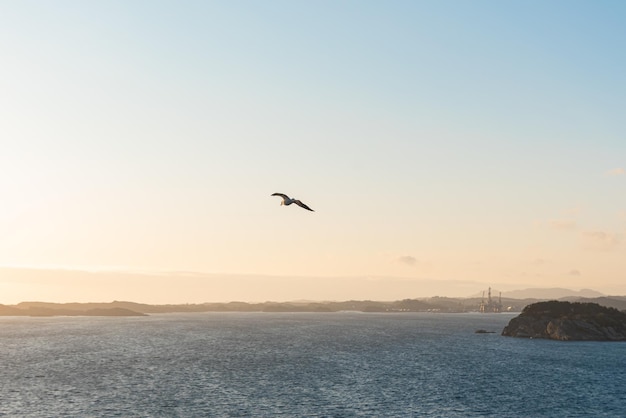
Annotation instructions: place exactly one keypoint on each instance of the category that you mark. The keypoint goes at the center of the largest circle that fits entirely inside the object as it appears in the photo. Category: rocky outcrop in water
(567, 321)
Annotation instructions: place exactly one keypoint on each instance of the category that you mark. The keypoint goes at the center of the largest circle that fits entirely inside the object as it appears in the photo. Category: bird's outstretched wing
(302, 205)
(284, 196)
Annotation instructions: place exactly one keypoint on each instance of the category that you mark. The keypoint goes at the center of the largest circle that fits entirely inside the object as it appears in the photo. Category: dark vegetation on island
(433, 304)
(566, 321)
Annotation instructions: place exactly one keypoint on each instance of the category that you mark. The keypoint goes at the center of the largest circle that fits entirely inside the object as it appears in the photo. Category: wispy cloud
(616, 172)
(600, 240)
(563, 224)
(574, 272)
(407, 260)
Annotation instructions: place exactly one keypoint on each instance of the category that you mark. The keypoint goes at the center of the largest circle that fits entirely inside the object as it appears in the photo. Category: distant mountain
(551, 293)
(617, 302)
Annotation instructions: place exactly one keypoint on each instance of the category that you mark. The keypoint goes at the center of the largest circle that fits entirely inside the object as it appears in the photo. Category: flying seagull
(288, 201)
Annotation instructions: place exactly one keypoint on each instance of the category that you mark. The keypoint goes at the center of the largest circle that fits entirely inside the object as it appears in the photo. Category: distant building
(490, 305)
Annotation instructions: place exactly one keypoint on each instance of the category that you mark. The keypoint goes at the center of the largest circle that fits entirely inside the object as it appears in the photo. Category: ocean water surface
(301, 365)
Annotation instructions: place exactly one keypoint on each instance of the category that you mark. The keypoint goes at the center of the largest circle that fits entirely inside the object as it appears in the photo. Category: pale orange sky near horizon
(442, 148)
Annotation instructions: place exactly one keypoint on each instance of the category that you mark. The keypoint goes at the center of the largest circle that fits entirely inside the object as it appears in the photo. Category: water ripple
(314, 365)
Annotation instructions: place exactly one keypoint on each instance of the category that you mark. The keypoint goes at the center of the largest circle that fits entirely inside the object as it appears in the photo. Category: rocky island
(567, 321)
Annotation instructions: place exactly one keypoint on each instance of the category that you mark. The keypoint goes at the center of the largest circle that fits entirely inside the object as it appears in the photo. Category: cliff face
(567, 321)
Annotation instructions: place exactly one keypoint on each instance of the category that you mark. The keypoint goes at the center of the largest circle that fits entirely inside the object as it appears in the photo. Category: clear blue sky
(449, 140)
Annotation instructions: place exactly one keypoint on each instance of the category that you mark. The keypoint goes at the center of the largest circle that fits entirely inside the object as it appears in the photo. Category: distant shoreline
(434, 304)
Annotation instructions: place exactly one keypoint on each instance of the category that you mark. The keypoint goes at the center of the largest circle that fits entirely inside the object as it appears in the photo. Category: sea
(344, 364)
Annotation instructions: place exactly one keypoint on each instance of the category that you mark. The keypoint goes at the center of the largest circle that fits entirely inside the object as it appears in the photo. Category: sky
(445, 147)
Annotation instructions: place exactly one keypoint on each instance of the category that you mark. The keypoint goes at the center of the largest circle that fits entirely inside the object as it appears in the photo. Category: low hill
(434, 304)
(9, 311)
(568, 321)
(55, 309)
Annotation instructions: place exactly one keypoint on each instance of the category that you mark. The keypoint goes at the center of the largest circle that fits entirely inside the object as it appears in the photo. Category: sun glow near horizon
(435, 143)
